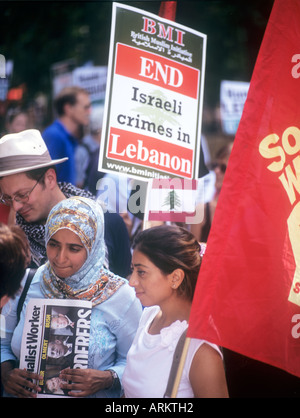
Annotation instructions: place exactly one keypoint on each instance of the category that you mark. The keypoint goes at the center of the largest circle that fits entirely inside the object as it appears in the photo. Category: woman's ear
(176, 278)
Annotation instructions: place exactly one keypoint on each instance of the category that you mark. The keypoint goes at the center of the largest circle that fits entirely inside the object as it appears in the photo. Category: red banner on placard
(155, 69)
(149, 152)
(248, 292)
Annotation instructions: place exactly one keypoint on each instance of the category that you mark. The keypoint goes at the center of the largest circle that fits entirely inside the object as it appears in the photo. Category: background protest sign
(152, 117)
(93, 80)
(233, 95)
(247, 296)
(62, 75)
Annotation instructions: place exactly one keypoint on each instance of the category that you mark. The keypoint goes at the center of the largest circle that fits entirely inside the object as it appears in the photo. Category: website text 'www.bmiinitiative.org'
(122, 169)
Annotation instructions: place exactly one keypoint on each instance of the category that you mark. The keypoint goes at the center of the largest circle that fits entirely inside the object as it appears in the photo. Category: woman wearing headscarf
(74, 270)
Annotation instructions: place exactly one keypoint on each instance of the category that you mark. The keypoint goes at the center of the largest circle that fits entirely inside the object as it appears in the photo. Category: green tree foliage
(37, 34)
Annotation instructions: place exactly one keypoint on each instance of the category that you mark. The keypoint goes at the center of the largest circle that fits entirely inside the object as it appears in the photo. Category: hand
(15, 382)
(85, 382)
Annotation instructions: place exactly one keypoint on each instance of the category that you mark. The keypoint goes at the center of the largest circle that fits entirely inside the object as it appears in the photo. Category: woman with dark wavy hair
(14, 258)
(165, 267)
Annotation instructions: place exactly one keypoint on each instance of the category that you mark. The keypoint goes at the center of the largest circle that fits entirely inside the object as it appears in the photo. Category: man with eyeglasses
(63, 136)
(20, 198)
(28, 184)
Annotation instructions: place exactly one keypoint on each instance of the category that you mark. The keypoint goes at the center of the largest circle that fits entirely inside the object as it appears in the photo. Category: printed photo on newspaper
(55, 337)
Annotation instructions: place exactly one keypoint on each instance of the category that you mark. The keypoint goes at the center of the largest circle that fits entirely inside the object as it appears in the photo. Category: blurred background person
(218, 167)
(73, 106)
(17, 120)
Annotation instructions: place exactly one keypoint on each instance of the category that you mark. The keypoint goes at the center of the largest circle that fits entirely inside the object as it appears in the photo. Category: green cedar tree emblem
(172, 200)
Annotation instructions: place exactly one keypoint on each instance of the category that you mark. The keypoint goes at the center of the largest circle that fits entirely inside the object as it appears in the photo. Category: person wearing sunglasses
(219, 166)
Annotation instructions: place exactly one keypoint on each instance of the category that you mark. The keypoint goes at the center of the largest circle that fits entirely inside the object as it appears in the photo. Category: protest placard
(233, 95)
(93, 80)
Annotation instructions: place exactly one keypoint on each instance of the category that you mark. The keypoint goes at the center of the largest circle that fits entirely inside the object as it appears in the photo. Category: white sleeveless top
(150, 358)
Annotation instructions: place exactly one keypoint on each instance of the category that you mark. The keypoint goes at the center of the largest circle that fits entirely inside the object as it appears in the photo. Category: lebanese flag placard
(248, 292)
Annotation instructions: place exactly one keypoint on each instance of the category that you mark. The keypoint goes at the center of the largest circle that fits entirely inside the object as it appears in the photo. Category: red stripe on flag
(170, 216)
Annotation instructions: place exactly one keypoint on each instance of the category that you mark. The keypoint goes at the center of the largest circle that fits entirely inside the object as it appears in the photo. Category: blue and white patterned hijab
(92, 281)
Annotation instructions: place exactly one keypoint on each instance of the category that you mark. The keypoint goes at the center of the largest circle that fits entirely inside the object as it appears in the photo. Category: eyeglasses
(19, 197)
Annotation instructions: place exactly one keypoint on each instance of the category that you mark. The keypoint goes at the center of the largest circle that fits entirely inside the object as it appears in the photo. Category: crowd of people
(58, 240)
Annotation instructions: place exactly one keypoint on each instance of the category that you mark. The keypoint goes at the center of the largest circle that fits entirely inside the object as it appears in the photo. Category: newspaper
(55, 336)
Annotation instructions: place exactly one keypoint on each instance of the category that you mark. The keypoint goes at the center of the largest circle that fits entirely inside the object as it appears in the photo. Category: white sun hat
(24, 151)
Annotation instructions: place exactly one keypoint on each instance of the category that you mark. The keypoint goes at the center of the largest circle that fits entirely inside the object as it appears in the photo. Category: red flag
(167, 9)
(248, 293)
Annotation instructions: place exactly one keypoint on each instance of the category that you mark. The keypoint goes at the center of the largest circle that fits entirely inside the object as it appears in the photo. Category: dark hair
(68, 95)
(39, 173)
(225, 151)
(14, 258)
(169, 248)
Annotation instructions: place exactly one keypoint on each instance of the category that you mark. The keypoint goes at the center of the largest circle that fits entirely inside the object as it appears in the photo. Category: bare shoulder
(207, 374)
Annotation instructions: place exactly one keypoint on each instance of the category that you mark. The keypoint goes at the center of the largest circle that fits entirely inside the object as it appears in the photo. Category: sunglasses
(220, 166)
